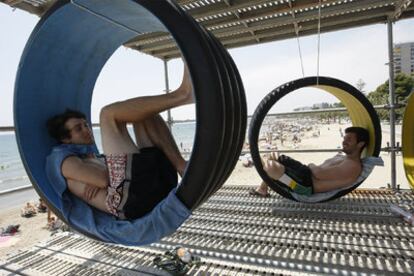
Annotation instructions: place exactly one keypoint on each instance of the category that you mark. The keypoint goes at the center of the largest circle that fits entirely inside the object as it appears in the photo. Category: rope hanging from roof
(319, 42)
(296, 27)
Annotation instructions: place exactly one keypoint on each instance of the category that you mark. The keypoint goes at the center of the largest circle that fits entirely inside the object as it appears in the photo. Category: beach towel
(368, 164)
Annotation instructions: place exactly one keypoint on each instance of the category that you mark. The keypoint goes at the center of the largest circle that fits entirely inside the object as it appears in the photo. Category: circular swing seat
(360, 110)
(58, 69)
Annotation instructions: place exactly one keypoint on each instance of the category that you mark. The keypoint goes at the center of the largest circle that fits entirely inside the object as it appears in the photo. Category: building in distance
(404, 58)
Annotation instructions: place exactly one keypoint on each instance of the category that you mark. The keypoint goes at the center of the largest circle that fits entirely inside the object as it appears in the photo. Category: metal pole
(167, 90)
(391, 101)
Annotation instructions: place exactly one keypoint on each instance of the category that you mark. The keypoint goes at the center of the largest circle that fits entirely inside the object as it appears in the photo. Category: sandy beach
(33, 230)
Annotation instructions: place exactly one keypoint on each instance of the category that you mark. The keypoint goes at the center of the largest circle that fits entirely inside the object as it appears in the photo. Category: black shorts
(296, 170)
(152, 178)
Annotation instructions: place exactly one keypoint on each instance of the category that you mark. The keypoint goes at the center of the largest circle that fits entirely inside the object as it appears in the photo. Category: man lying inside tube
(131, 178)
(334, 173)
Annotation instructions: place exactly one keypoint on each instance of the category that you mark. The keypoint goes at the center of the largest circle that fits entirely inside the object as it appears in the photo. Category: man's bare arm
(83, 171)
(90, 194)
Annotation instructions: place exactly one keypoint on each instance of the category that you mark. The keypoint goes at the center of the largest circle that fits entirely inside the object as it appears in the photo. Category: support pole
(167, 90)
(391, 101)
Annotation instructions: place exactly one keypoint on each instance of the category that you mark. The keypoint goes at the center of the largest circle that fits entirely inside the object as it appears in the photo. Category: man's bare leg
(274, 169)
(141, 136)
(114, 117)
(161, 136)
(141, 108)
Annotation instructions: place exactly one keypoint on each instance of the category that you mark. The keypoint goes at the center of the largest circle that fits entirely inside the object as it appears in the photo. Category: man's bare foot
(258, 192)
(262, 190)
(186, 88)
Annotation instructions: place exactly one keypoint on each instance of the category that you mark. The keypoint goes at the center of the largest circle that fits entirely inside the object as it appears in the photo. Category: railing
(386, 149)
(302, 112)
(281, 114)
(17, 189)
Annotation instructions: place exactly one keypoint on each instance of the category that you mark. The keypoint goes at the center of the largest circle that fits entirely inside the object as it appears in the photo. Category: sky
(349, 55)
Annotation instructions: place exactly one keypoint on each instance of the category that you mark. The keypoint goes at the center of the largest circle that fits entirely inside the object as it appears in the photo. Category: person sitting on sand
(334, 173)
(247, 160)
(29, 210)
(131, 178)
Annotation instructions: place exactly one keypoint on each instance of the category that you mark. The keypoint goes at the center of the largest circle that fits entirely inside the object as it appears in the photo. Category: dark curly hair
(362, 135)
(56, 124)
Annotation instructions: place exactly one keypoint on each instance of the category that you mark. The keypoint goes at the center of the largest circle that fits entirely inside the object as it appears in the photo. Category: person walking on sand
(334, 173)
(130, 178)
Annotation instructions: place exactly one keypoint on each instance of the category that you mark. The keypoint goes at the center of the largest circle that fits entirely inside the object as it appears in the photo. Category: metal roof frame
(238, 23)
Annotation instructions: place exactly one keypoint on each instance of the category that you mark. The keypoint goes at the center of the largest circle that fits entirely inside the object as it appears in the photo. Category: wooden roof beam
(19, 4)
(253, 26)
(147, 38)
(279, 21)
(221, 7)
(343, 22)
(327, 24)
(29, 7)
(237, 14)
(314, 14)
(308, 28)
(265, 11)
(240, 18)
(328, 5)
(401, 6)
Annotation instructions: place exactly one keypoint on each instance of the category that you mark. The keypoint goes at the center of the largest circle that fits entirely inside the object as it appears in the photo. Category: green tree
(404, 85)
(360, 85)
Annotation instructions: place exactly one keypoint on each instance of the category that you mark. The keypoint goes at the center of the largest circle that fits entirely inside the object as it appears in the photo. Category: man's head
(70, 127)
(355, 140)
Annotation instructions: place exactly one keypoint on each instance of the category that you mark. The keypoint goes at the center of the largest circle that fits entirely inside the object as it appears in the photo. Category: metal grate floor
(237, 234)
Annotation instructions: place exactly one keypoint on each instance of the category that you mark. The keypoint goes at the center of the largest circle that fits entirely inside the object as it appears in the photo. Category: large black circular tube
(64, 56)
(240, 112)
(232, 99)
(360, 110)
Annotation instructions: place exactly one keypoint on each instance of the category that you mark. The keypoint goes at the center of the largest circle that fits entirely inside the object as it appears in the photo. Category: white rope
(300, 55)
(295, 25)
(319, 43)
(104, 17)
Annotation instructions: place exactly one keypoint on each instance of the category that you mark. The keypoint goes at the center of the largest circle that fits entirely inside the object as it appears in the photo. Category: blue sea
(13, 174)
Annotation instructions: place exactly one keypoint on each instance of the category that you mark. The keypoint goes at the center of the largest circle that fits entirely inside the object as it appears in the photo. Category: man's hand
(90, 192)
(271, 168)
